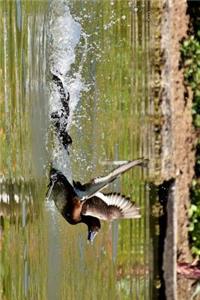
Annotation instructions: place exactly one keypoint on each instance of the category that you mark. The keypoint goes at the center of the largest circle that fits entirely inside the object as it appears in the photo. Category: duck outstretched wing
(88, 190)
(110, 207)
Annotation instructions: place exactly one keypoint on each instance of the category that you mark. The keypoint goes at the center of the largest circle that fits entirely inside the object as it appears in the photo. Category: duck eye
(54, 177)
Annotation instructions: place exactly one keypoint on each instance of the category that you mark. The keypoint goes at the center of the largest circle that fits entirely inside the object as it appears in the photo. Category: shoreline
(176, 135)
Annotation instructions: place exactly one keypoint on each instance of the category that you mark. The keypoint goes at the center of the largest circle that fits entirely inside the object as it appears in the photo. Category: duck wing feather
(109, 207)
(88, 190)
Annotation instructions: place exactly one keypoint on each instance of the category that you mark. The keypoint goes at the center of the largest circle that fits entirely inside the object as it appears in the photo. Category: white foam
(64, 34)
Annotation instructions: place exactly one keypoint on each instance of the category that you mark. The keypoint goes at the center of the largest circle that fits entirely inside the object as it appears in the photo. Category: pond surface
(101, 50)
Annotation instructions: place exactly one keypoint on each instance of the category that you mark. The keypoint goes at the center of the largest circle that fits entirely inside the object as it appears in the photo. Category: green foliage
(194, 214)
(190, 51)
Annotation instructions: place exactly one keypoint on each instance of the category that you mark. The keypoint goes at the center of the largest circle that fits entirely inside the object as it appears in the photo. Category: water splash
(64, 34)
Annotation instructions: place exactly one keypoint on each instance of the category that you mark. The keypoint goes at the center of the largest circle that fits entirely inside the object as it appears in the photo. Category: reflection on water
(22, 155)
(101, 51)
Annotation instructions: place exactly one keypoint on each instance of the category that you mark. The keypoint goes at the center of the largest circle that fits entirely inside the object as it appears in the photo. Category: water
(101, 52)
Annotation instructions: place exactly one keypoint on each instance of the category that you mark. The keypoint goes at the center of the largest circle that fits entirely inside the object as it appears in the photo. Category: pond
(102, 53)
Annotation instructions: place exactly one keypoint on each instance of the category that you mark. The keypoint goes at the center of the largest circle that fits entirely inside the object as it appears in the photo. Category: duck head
(94, 226)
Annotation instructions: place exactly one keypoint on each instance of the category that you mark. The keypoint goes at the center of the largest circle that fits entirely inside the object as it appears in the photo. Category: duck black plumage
(85, 203)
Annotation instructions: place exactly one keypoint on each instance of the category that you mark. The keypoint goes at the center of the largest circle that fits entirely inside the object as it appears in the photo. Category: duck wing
(110, 207)
(88, 190)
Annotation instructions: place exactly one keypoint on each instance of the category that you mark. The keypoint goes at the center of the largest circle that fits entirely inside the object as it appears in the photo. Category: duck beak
(91, 236)
(53, 179)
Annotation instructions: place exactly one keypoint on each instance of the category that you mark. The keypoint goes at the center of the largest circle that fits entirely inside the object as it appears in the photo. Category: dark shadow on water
(159, 199)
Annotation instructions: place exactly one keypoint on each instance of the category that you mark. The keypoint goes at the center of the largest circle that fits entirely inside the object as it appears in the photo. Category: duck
(86, 203)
